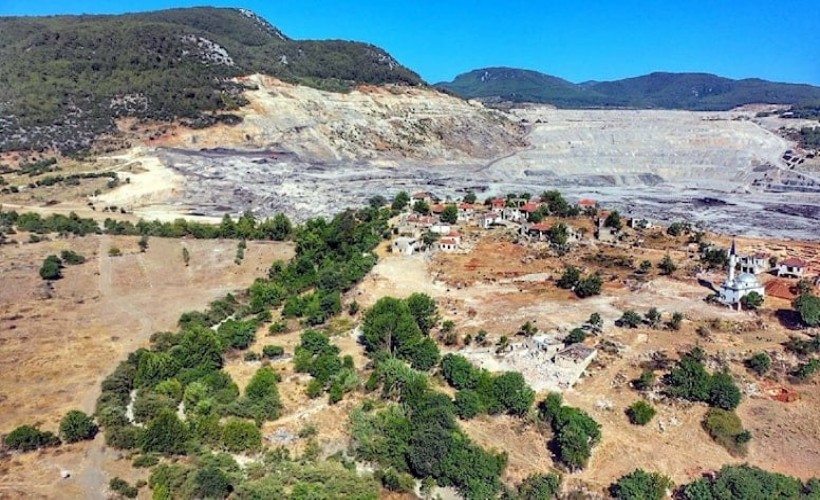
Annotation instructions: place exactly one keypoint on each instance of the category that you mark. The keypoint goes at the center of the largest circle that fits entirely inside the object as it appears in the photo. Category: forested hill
(692, 91)
(64, 79)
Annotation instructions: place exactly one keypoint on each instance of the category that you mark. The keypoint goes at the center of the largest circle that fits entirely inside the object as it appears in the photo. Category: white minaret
(732, 262)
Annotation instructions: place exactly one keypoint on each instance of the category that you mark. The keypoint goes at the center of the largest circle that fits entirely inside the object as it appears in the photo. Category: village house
(440, 228)
(576, 356)
(792, 267)
(512, 214)
(755, 263)
(466, 211)
(405, 246)
(424, 196)
(488, 219)
(528, 208)
(437, 209)
(498, 204)
(636, 223)
(587, 204)
(447, 244)
(538, 232)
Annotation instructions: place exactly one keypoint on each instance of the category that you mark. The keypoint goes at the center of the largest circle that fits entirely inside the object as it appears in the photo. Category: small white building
(636, 223)
(736, 287)
(448, 244)
(466, 211)
(487, 219)
(405, 246)
(792, 268)
(757, 263)
(441, 228)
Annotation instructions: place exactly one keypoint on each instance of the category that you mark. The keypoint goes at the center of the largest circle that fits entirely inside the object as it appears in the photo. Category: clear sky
(575, 39)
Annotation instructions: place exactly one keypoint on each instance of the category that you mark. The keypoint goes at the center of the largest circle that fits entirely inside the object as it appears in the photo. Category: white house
(405, 246)
(792, 267)
(755, 263)
(448, 244)
(441, 228)
(737, 287)
(486, 220)
(636, 223)
(466, 211)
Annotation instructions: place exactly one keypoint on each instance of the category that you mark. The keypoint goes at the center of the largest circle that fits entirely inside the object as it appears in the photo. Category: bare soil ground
(54, 352)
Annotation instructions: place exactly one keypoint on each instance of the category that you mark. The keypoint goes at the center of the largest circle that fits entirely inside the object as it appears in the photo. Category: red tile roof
(529, 207)
(794, 262)
(780, 289)
(437, 209)
(454, 234)
(447, 241)
(587, 202)
(541, 226)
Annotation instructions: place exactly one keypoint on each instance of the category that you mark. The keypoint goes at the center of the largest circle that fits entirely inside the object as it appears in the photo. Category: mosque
(737, 287)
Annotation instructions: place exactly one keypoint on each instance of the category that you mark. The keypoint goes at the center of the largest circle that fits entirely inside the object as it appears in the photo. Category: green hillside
(692, 91)
(64, 79)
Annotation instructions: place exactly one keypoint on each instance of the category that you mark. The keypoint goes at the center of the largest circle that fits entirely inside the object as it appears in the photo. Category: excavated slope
(369, 123)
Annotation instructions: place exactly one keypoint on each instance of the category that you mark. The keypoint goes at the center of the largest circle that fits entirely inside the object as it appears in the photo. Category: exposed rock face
(369, 123)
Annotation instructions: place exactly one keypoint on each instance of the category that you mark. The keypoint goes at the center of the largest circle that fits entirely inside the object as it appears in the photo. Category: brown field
(54, 352)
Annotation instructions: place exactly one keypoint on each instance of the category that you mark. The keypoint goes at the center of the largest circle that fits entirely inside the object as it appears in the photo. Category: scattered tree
(449, 215)
(629, 319)
(470, 197)
(640, 413)
(675, 322)
(653, 317)
(421, 207)
(570, 278)
(52, 268)
(751, 301)
(613, 220)
(400, 201)
(641, 485)
(77, 426)
(577, 335)
(666, 265)
(760, 363)
(808, 306)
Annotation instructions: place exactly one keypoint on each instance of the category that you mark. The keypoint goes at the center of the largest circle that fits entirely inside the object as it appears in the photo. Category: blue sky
(577, 40)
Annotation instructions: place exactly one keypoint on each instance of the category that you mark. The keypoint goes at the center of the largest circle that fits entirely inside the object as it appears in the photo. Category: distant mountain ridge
(64, 79)
(690, 91)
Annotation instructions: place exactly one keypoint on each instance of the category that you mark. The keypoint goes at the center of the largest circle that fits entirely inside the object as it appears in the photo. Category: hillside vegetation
(690, 91)
(65, 79)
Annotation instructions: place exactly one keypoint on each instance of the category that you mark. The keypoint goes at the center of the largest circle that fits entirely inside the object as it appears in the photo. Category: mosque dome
(748, 280)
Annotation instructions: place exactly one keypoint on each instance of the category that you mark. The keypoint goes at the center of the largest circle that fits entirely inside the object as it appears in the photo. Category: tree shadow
(789, 318)
(707, 284)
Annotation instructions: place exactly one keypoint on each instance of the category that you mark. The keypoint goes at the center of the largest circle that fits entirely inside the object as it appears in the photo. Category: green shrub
(539, 487)
(576, 336)
(468, 404)
(760, 363)
(629, 319)
(278, 327)
(52, 268)
(645, 381)
(725, 428)
(28, 438)
(77, 426)
(165, 434)
(640, 413)
(124, 437)
(71, 258)
(273, 351)
(123, 488)
(241, 435)
(145, 461)
(641, 485)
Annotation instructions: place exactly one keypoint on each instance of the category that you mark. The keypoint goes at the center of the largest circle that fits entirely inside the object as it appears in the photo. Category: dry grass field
(54, 352)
